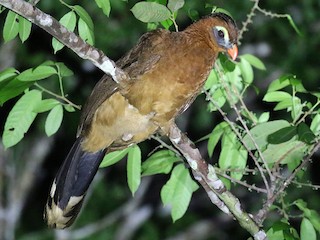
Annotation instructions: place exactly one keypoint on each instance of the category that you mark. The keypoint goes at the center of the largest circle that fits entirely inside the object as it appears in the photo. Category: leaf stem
(63, 98)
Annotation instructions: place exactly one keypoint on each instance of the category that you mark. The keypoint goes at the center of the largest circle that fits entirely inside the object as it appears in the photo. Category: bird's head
(226, 36)
(220, 32)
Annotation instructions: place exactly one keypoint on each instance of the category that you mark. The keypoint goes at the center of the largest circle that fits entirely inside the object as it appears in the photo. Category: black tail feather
(70, 185)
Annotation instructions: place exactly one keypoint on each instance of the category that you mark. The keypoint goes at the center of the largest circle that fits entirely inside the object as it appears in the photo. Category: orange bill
(233, 52)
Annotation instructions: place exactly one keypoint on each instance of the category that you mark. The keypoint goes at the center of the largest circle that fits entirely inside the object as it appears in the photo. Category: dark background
(273, 40)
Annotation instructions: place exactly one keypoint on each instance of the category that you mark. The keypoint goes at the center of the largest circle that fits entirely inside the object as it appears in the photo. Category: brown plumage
(167, 71)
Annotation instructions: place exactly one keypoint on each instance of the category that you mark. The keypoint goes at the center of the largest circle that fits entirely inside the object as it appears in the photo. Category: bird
(166, 71)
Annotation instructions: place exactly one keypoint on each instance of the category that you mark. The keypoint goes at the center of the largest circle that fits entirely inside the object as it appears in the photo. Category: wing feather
(136, 62)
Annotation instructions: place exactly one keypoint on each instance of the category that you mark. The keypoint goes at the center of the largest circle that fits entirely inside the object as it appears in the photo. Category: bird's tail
(70, 186)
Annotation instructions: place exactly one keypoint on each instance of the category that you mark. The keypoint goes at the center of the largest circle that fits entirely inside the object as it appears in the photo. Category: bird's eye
(221, 34)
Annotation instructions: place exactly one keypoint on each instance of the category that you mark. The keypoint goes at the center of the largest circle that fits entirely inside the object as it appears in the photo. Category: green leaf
(85, 32)
(8, 73)
(48, 63)
(282, 135)
(54, 120)
(177, 191)
(293, 24)
(317, 94)
(287, 103)
(46, 105)
(105, 6)
(11, 88)
(315, 124)
(134, 168)
(11, 26)
(280, 83)
(261, 132)
(219, 10)
(219, 98)
(24, 28)
(274, 235)
(166, 23)
(82, 13)
(285, 153)
(212, 80)
(276, 96)
(282, 230)
(193, 14)
(297, 83)
(159, 162)
(113, 157)
(296, 110)
(239, 162)
(150, 12)
(69, 108)
(264, 117)
(229, 151)
(228, 154)
(216, 135)
(246, 71)
(254, 61)
(307, 231)
(305, 134)
(38, 73)
(228, 65)
(63, 70)
(20, 118)
(312, 215)
(175, 5)
(69, 21)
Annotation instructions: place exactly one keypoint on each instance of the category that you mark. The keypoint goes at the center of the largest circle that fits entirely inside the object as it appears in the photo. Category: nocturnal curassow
(166, 70)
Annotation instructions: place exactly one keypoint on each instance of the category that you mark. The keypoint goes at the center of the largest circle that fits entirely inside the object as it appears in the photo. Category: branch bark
(66, 37)
(205, 174)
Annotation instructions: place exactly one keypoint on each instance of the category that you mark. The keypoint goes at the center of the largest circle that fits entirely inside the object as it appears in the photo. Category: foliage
(275, 143)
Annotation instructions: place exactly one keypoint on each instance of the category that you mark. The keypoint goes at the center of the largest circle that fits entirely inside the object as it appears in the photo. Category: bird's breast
(169, 85)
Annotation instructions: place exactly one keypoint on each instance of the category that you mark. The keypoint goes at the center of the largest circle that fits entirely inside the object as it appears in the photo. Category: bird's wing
(145, 46)
(145, 55)
(136, 62)
(103, 90)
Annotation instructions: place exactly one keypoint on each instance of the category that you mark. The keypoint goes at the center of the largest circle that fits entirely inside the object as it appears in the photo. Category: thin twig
(228, 95)
(302, 119)
(158, 139)
(248, 21)
(261, 215)
(248, 186)
(226, 119)
(310, 185)
(243, 105)
(58, 96)
(174, 22)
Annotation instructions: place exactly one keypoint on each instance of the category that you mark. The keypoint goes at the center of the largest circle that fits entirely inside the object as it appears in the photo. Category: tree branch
(205, 174)
(69, 39)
